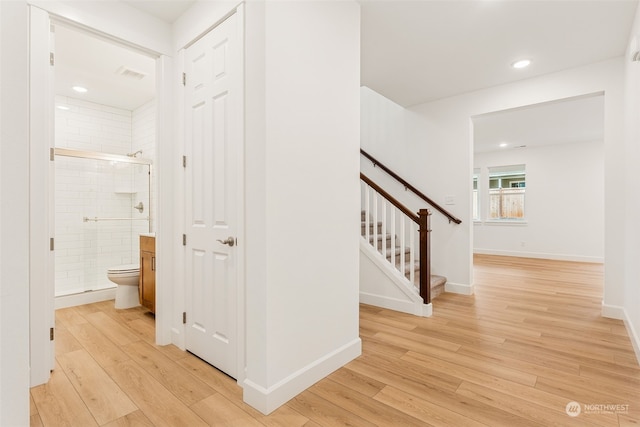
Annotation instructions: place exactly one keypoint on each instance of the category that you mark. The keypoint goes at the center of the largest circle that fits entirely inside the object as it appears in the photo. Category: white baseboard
(457, 288)
(417, 308)
(619, 313)
(541, 255)
(633, 335)
(73, 300)
(266, 400)
(177, 338)
(612, 311)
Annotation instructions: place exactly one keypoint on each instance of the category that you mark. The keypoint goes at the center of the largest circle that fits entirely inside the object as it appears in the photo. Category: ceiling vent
(128, 72)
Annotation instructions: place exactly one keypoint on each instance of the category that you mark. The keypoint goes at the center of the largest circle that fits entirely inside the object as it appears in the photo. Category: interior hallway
(529, 341)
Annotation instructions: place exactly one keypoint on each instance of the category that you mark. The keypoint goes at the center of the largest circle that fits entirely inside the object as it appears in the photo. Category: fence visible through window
(507, 185)
(506, 203)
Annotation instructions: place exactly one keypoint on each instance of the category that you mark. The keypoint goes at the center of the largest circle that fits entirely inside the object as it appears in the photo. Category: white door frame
(41, 267)
(41, 139)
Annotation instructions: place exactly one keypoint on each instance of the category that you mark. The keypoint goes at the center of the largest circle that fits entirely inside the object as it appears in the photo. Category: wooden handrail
(423, 219)
(405, 210)
(408, 186)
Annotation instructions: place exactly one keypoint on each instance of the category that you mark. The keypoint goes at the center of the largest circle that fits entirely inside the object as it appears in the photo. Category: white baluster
(383, 230)
(392, 221)
(367, 200)
(412, 257)
(375, 219)
(402, 243)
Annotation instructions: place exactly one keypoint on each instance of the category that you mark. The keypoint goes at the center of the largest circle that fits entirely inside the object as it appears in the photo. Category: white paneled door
(212, 145)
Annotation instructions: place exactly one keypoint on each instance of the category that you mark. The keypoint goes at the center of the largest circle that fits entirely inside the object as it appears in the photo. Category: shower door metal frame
(96, 155)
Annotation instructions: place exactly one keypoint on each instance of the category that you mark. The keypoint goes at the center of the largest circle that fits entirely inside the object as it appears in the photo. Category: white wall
(564, 203)
(302, 139)
(392, 134)
(14, 218)
(114, 18)
(632, 153)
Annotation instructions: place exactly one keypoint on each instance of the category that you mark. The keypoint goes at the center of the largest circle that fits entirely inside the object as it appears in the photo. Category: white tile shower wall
(93, 188)
(143, 130)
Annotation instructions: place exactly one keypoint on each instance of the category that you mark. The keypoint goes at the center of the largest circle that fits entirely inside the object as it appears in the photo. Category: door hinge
(184, 240)
(52, 154)
(51, 334)
(184, 161)
(184, 79)
(184, 317)
(51, 244)
(51, 58)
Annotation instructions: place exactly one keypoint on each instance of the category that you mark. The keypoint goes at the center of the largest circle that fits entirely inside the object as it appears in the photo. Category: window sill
(508, 222)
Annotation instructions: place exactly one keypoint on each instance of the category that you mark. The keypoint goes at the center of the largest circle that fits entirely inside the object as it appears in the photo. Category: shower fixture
(134, 154)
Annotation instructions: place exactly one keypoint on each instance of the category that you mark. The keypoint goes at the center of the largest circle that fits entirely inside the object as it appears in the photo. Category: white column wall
(14, 217)
(302, 195)
(632, 152)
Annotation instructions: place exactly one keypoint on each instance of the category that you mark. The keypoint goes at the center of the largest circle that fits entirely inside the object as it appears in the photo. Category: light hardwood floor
(529, 341)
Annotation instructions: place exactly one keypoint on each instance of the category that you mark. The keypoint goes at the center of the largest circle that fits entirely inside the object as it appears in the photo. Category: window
(476, 200)
(506, 192)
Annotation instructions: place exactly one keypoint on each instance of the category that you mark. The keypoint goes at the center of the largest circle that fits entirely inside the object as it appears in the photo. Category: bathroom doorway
(147, 39)
(105, 145)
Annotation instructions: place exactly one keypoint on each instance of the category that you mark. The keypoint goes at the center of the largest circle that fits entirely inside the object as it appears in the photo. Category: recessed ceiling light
(80, 89)
(503, 144)
(62, 107)
(523, 63)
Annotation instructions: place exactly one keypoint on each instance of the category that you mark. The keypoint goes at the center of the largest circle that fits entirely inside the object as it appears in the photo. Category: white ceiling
(166, 10)
(412, 51)
(567, 121)
(85, 60)
(417, 51)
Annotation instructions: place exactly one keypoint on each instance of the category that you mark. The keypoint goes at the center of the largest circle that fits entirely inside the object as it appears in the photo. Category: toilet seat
(124, 269)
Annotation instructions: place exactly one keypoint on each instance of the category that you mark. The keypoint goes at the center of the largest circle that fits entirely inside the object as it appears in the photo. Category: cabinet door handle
(153, 263)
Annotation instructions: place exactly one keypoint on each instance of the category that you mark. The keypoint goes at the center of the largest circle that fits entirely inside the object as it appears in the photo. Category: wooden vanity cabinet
(147, 286)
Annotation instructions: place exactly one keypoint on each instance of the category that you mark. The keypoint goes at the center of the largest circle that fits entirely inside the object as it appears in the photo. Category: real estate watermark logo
(573, 409)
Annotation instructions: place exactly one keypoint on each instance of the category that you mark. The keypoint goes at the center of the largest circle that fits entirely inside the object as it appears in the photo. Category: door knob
(230, 241)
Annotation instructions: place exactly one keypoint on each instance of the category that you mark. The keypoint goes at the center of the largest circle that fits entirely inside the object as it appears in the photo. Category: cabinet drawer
(147, 244)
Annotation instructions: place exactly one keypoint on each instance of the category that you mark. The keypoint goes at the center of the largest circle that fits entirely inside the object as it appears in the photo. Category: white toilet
(126, 277)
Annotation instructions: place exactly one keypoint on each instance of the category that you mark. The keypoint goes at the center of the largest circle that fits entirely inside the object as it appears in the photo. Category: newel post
(425, 254)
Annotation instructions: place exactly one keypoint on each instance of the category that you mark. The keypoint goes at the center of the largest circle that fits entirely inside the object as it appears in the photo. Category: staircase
(384, 238)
